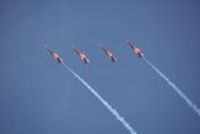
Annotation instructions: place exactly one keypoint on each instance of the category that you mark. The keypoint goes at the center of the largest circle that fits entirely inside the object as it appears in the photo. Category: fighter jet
(55, 56)
(136, 49)
(112, 57)
(82, 56)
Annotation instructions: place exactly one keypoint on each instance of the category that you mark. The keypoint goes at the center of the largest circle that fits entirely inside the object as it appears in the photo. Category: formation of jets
(86, 60)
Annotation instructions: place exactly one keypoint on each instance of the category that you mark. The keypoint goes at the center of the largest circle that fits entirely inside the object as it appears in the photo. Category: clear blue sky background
(38, 96)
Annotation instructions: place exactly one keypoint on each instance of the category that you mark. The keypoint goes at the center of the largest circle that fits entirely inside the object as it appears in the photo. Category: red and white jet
(136, 49)
(82, 56)
(112, 57)
(54, 55)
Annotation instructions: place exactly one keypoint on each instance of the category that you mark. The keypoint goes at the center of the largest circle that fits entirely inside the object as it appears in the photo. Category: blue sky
(39, 96)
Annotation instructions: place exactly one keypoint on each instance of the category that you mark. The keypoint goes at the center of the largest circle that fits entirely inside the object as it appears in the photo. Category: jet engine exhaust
(104, 102)
(176, 89)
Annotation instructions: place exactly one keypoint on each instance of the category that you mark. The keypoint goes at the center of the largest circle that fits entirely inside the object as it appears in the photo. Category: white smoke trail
(104, 102)
(178, 91)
